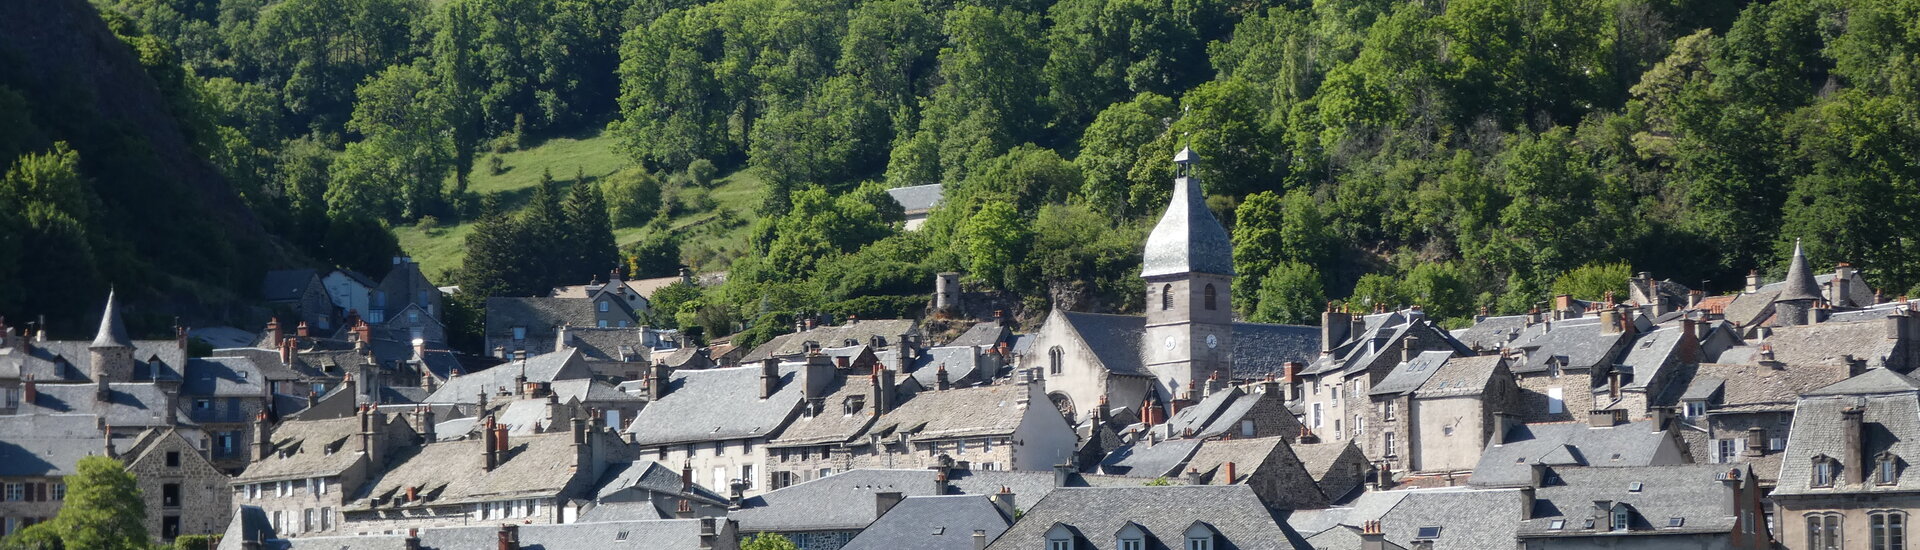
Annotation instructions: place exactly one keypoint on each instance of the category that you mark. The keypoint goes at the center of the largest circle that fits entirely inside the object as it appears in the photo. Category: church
(1187, 344)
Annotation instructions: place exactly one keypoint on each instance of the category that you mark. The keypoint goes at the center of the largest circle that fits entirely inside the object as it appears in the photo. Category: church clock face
(1213, 341)
(1170, 343)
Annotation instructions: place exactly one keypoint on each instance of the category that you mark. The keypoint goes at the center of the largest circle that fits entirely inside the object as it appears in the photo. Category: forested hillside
(1457, 155)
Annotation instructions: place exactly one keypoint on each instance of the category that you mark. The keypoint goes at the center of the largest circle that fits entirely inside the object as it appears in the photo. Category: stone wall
(198, 502)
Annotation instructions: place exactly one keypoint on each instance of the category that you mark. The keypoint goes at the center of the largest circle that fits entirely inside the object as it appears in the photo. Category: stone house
(1448, 518)
(111, 357)
(186, 494)
(349, 291)
(1336, 401)
(1434, 412)
(1338, 469)
(251, 530)
(1516, 453)
(1843, 480)
(808, 337)
(533, 325)
(223, 396)
(1740, 414)
(304, 471)
(403, 286)
(299, 293)
(1685, 506)
(1005, 426)
(1565, 367)
(917, 201)
(511, 378)
(1267, 464)
(174, 478)
(719, 421)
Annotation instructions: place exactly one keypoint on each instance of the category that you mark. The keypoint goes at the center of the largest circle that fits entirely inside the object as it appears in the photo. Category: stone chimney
(426, 415)
(882, 502)
(1372, 537)
(1660, 416)
(563, 337)
(29, 392)
(1231, 475)
(1753, 281)
(1843, 285)
(1005, 502)
(1193, 476)
(303, 330)
(817, 376)
(273, 332)
(488, 442)
(1603, 418)
(883, 390)
(412, 541)
(657, 381)
(1609, 321)
(509, 537)
(1334, 327)
(1409, 348)
(372, 434)
(940, 378)
(262, 438)
(979, 539)
(1853, 456)
(769, 377)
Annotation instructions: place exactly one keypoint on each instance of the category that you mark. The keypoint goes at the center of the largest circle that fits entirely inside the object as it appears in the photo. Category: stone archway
(1064, 404)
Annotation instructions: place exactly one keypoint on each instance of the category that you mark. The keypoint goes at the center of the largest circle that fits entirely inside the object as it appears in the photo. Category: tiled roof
(717, 404)
(1410, 375)
(1233, 512)
(1873, 381)
(832, 425)
(1262, 349)
(1187, 238)
(223, 377)
(963, 412)
(1651, 352)
(127, 405)
(1460, 376)
(1820, 343)
(113, 332)
(1141, 460)
(1568, 444)
(1467, 519)
(546, 367)
(1890, 423)
(1492, 332)
(1580, 342)
(798, 507)
(859, 331)
(983, 335)
(453, 472)
(1745, 385)
(538, 315)
(933, 523)
(609, 344)
(308, 448)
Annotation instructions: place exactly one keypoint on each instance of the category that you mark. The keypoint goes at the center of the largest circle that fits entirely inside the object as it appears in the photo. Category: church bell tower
(1188, 271)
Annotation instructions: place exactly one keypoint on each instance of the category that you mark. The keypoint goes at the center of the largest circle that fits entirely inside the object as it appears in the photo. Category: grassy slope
(712, 236)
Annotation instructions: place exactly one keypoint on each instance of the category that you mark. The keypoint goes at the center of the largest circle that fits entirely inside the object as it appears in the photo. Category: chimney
(940, 378)
(1563, 307)
(488, 442)
(509, 536)
(881, 382)
(302, 330)
(29, 391)
(1230, 475)
(1603, 418)
(1004, 501)
(817, 376)
(101, 391)
(940, 480)
(562, 337)
(1372, 537)
(1527, 496)
(1409, 348)
(684, 510)
(1853, 460)
(426, 425)
(657, 381)
(1694, 297)
(769, 377)
(372, 427)
(412, 541)
(1753, 281)
(262, 438)
(882, 502)
(979, 539)
(1609, 321)
(1193, 476)
(1660, 416)
(1502, 423)
(1730, 493)
(1383, 476)
(1062, 474)
(1842, 285)
(273, 332)
(1689, 341)
(1334, 328)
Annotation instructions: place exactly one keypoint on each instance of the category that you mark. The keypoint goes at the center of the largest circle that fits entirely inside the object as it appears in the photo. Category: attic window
(1428, 532)
(1557, 525)
(1676, 522)
(937, 531)
(620, 537)
(1634, 487)
(853, 404)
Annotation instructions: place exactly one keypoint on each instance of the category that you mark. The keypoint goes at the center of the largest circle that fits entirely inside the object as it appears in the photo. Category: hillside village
(1779, 416)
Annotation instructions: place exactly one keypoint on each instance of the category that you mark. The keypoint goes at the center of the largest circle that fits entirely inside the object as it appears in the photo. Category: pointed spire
(1800, 282)
(113, 332)
(1188, 239)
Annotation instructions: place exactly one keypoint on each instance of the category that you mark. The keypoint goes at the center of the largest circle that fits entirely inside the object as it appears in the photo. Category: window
(1131, 537)
(1695, 409)
(1387, 441)
(1209, 296)
(310, 520)
(173, 459)
(170, 527)
(320, 485)
(413, 316)
(1555, 404)
(1823, 471)
(1337, 387)
(1429, 532)
(1885, 470)
(1059, 544)
(202, 404)
(59, 491)
(1557, 524)
(519, 333)
(170, 495)
(1676, 522)
(1200, 544)
(601, 324)
(16, 492)
(279, 522)
(1620, 517)
(1166, 297)
(1246, 428)
(1724, 449)
(1387, 409)
(1359, 425)
(1056, 360)
(326, 519)
(1888, 530)
(1823, 532)
(1337, 433)
(1316, 415)
(746, 475)
(603, 306)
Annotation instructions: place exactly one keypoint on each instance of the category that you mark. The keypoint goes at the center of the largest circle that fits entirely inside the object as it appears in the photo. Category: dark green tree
(1290, 293)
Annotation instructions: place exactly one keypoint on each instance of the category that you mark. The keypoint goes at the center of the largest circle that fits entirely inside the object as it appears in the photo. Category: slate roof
(285, 285)
(1651, 352)
(1800, 283)
(589, 390)
(1232, 511)
(1187, 239)
(1319, 460)
(933, 523)
(1410, 375)
(47, 444)
(1747, 386)
(113, 331)
(1566, 444)
(964, 412)
(1690, 492)
(453, 472)
(652, 534)
(832, 425)
(1459, 376)
(798, 507)
(1873, 381)
(538, 315)
(917, 199)
(963, 363)
(1468, 519)
(1579, 341)
(1890, 423)
(717, 404)
(983, 335)
(546, 367)
(1491, 333)
(1027, 486)
(309, 448)
(223, 377)
(1114, 339)
(860, 331)
(609, 344)
(646, 476)
(1263, 349)
(1820, 343)
(129, 404)
(1140, 460)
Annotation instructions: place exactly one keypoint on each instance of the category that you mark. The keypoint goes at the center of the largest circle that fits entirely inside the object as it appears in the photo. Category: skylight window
(620, 537)
(1428, 532)
(1557, 524)
(1635, 486)
(1676, 522)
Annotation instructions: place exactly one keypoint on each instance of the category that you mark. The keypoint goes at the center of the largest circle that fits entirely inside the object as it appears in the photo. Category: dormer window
(1824, 468)
(1621, 517)
(852, 404)
(604, 305)
(1886, 469)
(1199, 536)
(1131, 537)
(1695, 409)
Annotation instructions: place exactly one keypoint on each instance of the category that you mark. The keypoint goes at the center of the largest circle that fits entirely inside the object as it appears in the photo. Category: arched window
(1823, 532)
(1888, 530)
(1209, 296)
(1056, 360)
(1166, 296)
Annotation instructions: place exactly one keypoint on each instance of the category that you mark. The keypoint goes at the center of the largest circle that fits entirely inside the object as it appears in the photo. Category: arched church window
(1209, 296)
(1166, 296)
(1056, 360)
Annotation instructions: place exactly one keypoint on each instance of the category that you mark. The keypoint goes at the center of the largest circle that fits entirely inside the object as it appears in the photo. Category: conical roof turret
(113, 332)
(1800, 282)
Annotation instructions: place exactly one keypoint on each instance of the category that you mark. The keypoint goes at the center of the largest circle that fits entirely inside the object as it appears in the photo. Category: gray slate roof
(538, 315)
(1800, 283)
(1460, 376)
(47, 444)
(127, 405)
(859, 331)
(1580, 342)
(798, 507)
(1114, 339)
(223, 377)
(1188, 239)
(546, 367)
(717, 404)
(964, 412)
(285, 285)
(1165, 513)
(933, 523)
(1150, 461)
(1492, 332)
(1567, 444)
(453, 472)
(308, 448)
(917, 199)
(113, 331)
(1410, 375)
(1263, 349)
(1890, 423)
(1688, 491)
(1468, 519)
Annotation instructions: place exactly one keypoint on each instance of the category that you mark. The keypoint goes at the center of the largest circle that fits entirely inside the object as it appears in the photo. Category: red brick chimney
(303, 331)
(273, 331)
(29, 392)
(1230, 475)
(488, 443)
(509, 537)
